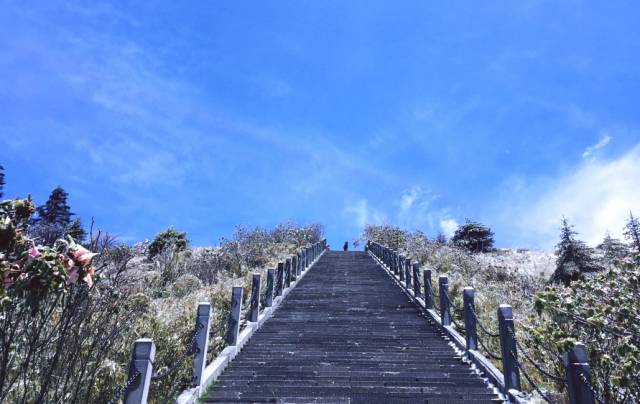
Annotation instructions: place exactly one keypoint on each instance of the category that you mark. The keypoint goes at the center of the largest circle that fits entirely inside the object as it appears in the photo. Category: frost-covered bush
(185, 284)
(604, 313)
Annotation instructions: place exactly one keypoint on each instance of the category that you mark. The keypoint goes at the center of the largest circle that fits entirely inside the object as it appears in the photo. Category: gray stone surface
(347, 334)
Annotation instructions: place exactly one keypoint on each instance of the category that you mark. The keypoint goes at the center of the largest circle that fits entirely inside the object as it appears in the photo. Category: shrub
(168, 238)
(185, 284)
(601, 312)
(473, 236)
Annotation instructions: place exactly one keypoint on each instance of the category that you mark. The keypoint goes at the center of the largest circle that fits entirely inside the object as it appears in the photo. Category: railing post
(306, 257)
(142, 357)
(399, 268)
(203, 323)
(280, 279)
(407, 273)
(428, 289)
(443, 289)
(578, 373)
(508, 348)
(470, 332)
(416, 280)
(366, 247)
(234, 316)
(269, 296)
(255, 298)
(294, 266)
(299, 263)
(287, 272)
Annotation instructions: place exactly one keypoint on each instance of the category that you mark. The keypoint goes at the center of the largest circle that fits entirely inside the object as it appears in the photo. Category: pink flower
(33, 252)
(82, 256)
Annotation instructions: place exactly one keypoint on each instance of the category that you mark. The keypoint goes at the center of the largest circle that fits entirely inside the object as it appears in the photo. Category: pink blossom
(33, 252)
(82, 256)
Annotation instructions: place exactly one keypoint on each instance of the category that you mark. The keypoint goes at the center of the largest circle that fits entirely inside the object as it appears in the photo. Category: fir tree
(76, 231)
(53, 220)
(56, 210)
(632, 232)
(473, 236)
(1, 180)
(574, 257)
(613, 249)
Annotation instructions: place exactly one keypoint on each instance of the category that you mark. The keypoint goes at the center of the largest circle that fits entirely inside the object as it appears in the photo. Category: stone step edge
(213, 371)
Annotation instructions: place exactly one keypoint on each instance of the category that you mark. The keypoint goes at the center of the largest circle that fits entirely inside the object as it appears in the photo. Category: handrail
(578, 373)
(136, 388)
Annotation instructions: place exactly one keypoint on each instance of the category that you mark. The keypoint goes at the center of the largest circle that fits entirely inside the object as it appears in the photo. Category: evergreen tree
(441, 238)
(574, 257)
(170, 238)
(632, 232)
(76, 231)
(56, 210)
(54, 218)
(1, 180)
(613, 249)
(473, 236)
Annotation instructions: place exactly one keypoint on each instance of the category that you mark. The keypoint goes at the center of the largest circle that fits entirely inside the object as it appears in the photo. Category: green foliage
(473, 236)
(574, 257)
(602, 312)
(56, 210)
(441, 238)
(170, 238)
(76, 231)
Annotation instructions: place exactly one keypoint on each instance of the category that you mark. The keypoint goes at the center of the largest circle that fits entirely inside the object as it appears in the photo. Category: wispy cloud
(590, 151)
(596, 196)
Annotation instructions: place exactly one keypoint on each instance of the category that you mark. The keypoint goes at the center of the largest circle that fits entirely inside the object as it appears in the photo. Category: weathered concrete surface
(347, 334)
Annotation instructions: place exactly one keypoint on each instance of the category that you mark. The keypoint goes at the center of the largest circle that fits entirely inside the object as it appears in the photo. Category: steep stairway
(347, 334)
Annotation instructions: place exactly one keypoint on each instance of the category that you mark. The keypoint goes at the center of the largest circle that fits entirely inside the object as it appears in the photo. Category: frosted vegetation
(71, 309)
(576, 294)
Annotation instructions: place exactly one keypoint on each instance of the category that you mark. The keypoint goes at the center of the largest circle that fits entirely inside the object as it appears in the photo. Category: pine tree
(574, 257)
(56, 210)
(1, 180)
(53, 220)
(76, 231)
(632, 232)
(473, 236)
(613, 249)
(441, 238)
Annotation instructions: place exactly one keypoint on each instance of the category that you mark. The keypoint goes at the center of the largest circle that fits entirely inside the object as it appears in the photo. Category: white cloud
(596, 197)
(590, 151)
(415, 209)
(448, 226)
(362, 214)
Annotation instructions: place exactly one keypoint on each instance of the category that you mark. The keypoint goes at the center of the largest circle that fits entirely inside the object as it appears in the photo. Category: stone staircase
(346, 334)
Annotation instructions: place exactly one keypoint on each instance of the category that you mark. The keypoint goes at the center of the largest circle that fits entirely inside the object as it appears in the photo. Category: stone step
(347, 334)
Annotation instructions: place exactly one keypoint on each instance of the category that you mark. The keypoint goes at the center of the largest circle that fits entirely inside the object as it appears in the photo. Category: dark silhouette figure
(345, 246)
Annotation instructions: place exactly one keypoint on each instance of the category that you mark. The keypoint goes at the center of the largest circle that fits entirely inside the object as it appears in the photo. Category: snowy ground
(531, 262)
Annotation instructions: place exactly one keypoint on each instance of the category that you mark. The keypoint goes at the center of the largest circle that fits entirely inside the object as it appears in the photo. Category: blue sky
(210, 114)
